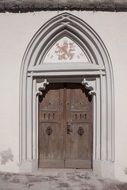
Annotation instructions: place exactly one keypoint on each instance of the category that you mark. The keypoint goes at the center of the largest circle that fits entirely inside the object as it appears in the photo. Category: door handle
(69, 130)
(49, 131)
(80, 131)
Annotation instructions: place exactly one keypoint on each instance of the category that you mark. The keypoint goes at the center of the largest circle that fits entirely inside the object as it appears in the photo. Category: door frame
(41, 91)
(96, 75)
(38, 84)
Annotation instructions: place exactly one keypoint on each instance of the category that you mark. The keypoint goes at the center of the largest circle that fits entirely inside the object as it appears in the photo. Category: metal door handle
(80, 131)
(69, 130)
(49, 131)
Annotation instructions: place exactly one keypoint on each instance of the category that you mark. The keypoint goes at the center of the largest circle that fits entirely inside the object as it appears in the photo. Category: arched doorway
(86, 62)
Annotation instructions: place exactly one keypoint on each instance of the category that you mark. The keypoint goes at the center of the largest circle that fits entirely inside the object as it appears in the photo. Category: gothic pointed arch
(96, 69)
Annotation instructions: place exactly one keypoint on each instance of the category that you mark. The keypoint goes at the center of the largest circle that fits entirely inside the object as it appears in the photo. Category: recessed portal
(65, 127)
(67, 50)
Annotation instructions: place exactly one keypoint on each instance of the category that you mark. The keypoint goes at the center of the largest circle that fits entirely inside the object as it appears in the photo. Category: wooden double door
(65, 127)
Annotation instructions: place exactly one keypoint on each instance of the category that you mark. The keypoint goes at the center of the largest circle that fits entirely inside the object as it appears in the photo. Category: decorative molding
(99, 74)
(89, 86)
(65, 23)
(41, 87)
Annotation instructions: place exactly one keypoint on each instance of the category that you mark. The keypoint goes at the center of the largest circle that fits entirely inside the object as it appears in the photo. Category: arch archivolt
(96, 75)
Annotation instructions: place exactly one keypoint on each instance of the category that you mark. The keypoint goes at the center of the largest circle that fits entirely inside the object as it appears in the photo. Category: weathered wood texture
(38, 5)
(65, 127)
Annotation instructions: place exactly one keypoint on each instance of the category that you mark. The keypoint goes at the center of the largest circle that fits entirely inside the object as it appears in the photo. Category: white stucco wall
(16, 30)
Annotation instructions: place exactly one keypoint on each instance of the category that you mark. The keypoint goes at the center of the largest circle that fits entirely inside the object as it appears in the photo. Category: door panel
(79, 120)
(65, 127)
(51, 142)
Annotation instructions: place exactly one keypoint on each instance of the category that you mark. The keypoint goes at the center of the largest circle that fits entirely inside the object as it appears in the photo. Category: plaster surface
(16, 32)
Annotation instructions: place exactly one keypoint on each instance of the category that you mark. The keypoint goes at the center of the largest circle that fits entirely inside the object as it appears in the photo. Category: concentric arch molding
(97, 72)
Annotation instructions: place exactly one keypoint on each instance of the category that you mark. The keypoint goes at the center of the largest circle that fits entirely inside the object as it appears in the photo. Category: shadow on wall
(6, 156)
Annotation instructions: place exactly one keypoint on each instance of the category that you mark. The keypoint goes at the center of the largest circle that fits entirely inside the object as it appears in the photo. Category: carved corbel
(41, 87)
(89, 87)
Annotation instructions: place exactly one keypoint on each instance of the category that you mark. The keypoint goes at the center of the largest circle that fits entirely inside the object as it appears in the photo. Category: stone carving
(89, 87)
(41, 87)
